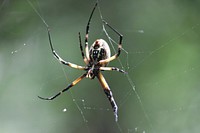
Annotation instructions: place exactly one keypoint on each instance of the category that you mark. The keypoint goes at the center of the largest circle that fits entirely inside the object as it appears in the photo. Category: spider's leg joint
(48, 29)
(104, 21)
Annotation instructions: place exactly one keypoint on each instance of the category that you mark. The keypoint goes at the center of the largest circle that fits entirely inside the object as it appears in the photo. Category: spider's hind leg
(109, 95)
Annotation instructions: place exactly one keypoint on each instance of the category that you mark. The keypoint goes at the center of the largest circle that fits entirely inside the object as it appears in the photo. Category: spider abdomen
(99, 51)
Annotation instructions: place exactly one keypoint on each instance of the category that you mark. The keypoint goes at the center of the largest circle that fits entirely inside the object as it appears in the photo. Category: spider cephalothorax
(96, 59)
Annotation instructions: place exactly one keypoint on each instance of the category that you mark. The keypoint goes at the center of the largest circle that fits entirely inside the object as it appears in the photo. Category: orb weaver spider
(96, 59)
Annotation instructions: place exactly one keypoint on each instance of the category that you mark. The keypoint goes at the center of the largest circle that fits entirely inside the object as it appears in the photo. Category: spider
(96, 59)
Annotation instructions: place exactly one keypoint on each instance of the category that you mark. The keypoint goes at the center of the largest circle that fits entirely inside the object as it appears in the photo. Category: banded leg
(68, 87)
(119, 45)
(60, 59)
(112, 69)
(87, 32)
(81, 47)
(108, 93)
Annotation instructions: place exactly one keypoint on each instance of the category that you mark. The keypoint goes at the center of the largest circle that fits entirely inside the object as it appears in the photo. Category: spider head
(99, 51)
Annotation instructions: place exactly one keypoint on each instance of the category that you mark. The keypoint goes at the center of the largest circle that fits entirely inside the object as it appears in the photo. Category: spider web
(84, 105)
(164, 100)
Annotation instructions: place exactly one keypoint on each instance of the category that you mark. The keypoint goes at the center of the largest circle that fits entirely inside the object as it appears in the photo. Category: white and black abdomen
(99, 51)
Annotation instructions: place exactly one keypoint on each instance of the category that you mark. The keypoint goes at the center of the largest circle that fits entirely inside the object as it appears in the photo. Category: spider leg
(87, 32)
(68, 87)
(112, 69)
(81, 47)
(108, 93)
(119, 45)
(60, 59)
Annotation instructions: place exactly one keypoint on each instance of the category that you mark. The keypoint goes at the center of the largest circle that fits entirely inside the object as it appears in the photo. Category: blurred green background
(161, 37)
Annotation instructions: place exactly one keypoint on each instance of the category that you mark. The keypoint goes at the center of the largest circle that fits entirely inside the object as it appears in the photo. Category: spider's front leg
(87, 33)
(105, 61)
(108, 93)
(60, 59)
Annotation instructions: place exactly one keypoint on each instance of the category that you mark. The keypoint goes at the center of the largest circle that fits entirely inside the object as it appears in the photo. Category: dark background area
(161, 37)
